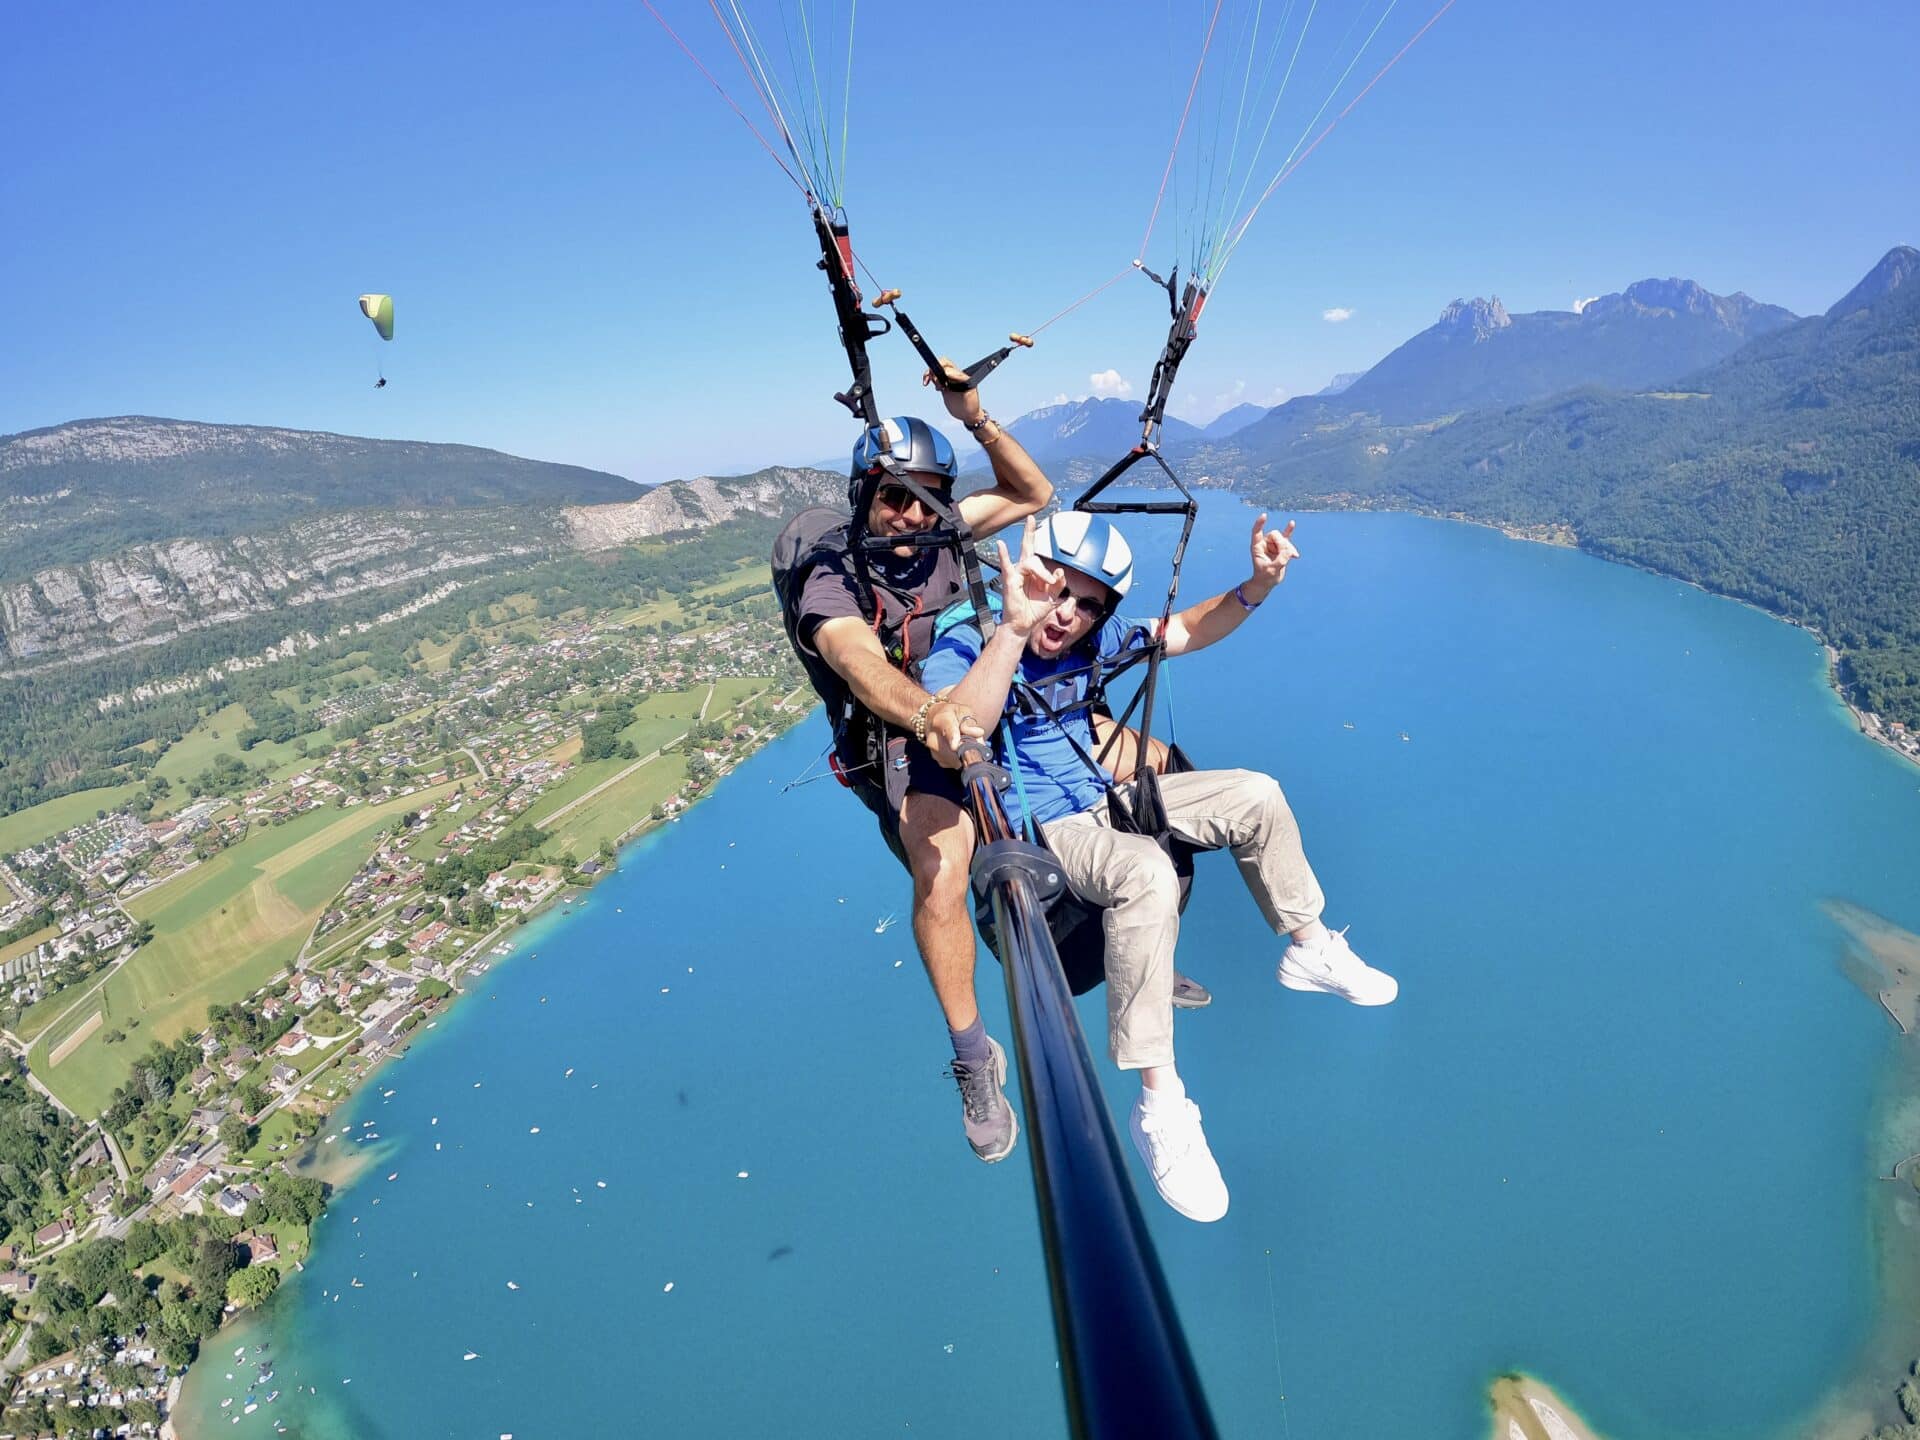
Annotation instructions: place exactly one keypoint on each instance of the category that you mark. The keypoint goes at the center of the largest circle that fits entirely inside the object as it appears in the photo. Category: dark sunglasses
(1098, 610)
(899, 497)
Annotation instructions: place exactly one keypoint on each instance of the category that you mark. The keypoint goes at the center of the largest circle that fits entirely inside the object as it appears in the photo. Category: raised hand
(1273, 551)
(963, 404)
(1029, 589)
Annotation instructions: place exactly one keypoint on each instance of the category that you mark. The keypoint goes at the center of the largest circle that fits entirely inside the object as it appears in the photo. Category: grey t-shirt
(911, 592)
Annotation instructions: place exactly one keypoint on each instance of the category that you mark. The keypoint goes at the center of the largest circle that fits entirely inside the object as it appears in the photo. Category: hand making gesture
(1273, 550)
(1030, 589)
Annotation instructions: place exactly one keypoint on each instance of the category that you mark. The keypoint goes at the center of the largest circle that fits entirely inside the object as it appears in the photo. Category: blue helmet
(1092, 546)
(911, 442)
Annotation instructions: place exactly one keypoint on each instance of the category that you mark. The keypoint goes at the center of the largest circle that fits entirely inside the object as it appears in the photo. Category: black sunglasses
(899, 497)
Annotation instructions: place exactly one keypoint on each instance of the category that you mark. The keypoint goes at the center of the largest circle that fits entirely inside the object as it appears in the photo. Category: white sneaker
(1332, 966)
(1175, 1148)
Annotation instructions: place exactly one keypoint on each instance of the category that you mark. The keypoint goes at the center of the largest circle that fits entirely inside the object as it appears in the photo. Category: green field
(580, 779)
(278, 1130)
(649, 734)
(673, 704)
(434, 656)
(222, 929)
(753, 571)
(219, 733)
(652, 613)
(617, 808)
(194, 751)
(51, 817)
(668, 608)
(661, 718)
(729, 693)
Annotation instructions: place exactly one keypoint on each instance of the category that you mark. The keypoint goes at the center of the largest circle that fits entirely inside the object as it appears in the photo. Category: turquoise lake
(1618, 1130)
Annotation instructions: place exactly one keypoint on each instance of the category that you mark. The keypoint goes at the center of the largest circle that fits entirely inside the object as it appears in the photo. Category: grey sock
(970, 1044)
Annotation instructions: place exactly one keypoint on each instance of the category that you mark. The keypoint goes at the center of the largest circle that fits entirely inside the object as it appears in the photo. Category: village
(448, 804)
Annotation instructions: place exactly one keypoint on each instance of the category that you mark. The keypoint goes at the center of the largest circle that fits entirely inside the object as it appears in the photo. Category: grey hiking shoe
(1189, 993)
(991, 1126)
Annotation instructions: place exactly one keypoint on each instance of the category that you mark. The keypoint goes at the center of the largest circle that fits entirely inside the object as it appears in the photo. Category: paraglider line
(1301, 158)
(722, 92)
(1123, 271)
(1279, 95)
(1178, 132)
(1273, 1312)
(846, 100)
(757, 70)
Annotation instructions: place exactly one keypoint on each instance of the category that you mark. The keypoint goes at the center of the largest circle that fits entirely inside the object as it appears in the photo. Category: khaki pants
(1135, 881)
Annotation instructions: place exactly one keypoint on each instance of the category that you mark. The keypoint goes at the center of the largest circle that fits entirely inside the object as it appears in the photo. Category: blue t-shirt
(1058, 783)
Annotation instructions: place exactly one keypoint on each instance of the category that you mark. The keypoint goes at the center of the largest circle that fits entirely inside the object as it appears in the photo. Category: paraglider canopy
(379, 309)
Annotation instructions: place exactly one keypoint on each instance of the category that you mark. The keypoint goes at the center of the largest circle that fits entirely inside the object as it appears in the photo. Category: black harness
(863, 743)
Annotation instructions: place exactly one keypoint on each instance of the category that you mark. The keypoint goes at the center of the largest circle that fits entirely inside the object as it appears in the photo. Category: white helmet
(1086, 543)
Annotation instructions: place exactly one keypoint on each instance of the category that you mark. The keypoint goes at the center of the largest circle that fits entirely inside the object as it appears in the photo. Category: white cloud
(1061, 399)
(1110, 385)
(1337, 314)
(1580, 305)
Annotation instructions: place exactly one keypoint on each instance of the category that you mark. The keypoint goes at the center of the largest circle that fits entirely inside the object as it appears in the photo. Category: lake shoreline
(340, 1171)
(1899, 1312)
(1527, 1408)
(1565, 537)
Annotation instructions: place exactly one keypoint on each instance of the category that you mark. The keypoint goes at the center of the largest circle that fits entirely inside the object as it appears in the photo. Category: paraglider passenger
(1057, 612)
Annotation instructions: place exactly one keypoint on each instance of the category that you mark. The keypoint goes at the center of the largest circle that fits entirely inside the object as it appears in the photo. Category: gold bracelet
(919, 721)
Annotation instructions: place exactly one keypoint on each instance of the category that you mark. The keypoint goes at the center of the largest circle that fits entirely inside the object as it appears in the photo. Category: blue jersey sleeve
(1122, 635)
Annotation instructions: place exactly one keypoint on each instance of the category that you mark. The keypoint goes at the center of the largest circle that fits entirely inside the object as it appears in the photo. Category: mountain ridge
(1477, 355)
(75, 492)
(1786, 474)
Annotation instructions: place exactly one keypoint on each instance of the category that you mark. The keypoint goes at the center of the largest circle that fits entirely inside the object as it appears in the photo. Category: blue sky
(594, 262)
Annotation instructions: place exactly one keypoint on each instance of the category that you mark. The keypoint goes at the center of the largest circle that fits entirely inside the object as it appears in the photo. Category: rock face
(137, 439)
(79, 492)
(695, 504)
(131, 530)
(1738, 314)
(148, 593)
(1476, 318)
(1895, 269)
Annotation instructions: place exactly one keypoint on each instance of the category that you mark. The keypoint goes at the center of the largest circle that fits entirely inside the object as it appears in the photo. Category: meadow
(222, 930)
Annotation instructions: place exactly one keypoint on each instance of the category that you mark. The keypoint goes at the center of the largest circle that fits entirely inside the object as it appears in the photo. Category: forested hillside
(56, 736)
(1787, 474)
(92, 487)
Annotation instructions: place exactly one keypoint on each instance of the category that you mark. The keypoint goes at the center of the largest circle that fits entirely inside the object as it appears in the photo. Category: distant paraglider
(379, 309)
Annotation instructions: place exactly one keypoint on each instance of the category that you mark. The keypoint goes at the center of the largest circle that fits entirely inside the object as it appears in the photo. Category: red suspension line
(1124, 271)
(721, 91)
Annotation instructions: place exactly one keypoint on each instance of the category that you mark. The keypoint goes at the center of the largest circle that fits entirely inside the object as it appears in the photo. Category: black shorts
(909, 767)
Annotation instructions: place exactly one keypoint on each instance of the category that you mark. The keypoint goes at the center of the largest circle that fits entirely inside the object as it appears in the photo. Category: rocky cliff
(695, 504)
(145, 594)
